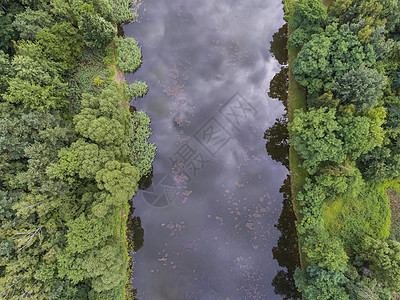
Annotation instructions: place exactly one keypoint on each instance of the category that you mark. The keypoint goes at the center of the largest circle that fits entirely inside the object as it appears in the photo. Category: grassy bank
(340, 194)
(296, 100)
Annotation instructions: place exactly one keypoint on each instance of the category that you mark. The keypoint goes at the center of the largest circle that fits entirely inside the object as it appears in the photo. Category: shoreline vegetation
(72, 150)
(344, 105)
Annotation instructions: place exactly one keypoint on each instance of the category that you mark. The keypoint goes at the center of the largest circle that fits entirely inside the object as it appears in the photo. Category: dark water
(217, 216)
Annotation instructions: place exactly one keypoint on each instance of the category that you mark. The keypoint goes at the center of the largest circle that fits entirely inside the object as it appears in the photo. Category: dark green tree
(320, 283)
(30, 22)
(383, 259)
(362, 87)
(97, 32)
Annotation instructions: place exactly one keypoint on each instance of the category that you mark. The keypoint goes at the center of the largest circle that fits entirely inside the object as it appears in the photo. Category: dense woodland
(347, 136)
(71, 151)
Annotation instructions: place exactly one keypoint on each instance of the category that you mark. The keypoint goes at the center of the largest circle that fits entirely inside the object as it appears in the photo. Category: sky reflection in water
(215, 240)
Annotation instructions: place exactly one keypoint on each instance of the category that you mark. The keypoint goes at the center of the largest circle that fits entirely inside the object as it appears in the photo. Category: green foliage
(312, 65)
(348, 145)
(129, 55)
(328, 56)
(97, 32)
(125, 11)
(120, 180)
(384, 48)
(105, 266)
(317, 245)
(142, 152)
(383, 259)
(366, 214)
(338, 7)
(343, 181)
(380, 164)
(38, 71)
(392, 125)
(321, 283)
(101, 118)
(308, 12)
(83, 159)
(73, 10)
(358, 135)
(306, 20)
(7, 200)
(8, 10)
(61, 44)
(114, 293)
(365, 288)
(87, 233)
(136, 90)
(33, 96)
(315, 138)
(89, 67)
(63, 182)
(370, 12)
(325, 100)
(5, 71)
(30, 22)
(391, 13)
(361, 87)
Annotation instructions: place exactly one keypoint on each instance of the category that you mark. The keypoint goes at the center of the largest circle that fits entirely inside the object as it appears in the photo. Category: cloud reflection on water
(215, 240)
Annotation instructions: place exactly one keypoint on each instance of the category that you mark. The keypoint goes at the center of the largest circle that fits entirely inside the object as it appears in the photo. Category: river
(216, 213)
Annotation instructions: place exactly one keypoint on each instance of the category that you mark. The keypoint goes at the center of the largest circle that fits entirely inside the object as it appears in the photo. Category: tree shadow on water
(277, 146)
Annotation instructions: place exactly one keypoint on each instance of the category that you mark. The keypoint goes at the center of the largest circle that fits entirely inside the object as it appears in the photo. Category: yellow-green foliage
(352, 218)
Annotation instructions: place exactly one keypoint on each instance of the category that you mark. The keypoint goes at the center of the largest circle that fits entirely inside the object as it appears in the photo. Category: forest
(72, 152)
(344, 109)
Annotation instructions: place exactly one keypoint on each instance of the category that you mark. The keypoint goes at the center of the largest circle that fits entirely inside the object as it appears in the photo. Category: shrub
(137, 90)
(129, 55)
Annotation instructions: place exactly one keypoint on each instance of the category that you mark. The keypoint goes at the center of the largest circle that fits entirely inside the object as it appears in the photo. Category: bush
(125, 11)
(136, 90)
(318, 283)
(142, 152)
(129, 55)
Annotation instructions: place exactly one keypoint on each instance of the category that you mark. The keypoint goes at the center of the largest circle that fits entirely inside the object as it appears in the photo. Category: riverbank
(340, 194)
(296, 100)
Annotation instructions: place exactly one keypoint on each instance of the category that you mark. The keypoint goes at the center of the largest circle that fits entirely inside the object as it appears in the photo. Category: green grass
(332, 211)
(351, 218)
(296, 100)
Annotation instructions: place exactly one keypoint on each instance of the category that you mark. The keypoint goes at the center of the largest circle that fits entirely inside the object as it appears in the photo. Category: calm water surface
(213, 222)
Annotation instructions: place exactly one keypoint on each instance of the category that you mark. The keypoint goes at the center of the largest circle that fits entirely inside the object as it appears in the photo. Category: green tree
(97, 32)
(120, 180)
(314, 136)
(365, 288)
(33, 96)
(328, 56)
(312, 65)
(355, 134)
(125, 11)
(83, 159)
(8, 10)
(30, 22)
(321, 284)
(101, 118)
(86, 233)
(308, 12)
(362, 87)
(5, 71)
(62, 43)
(383, 259)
